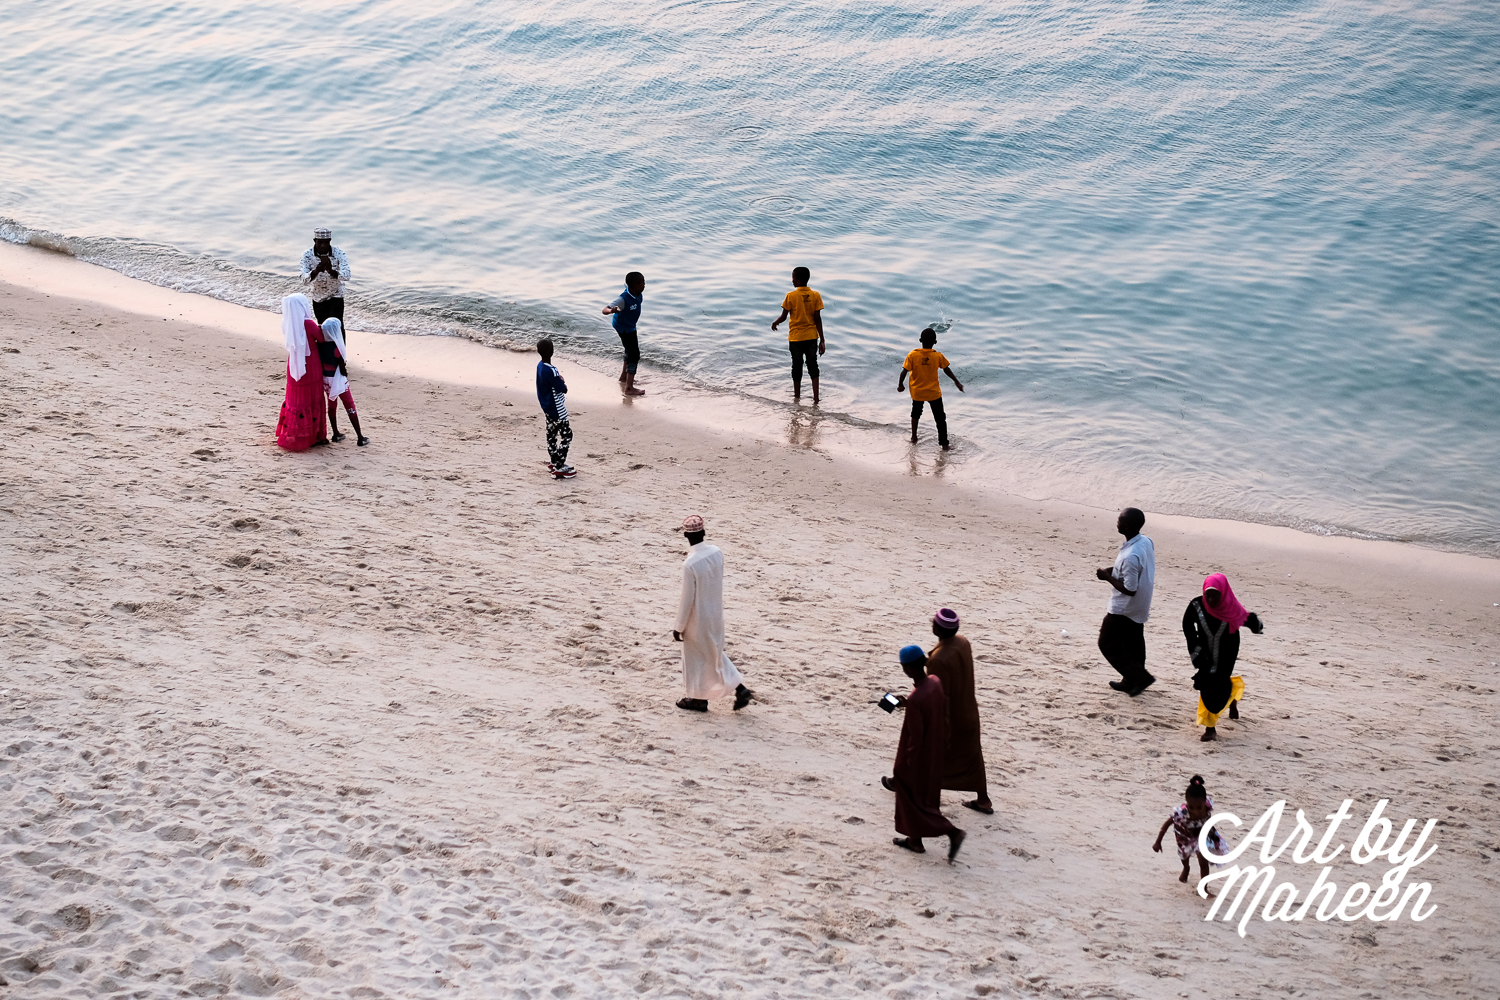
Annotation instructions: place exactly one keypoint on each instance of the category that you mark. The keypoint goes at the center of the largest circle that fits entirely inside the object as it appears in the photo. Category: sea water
(1221, 258)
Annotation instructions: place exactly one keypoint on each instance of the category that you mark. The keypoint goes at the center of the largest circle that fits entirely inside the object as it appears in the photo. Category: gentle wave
(1219, 259)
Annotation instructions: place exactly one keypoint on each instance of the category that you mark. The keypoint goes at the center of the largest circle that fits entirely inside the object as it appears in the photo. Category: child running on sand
(804, 333)
(923, 366)
(627, 312)
(1186, 821)
(551, 392)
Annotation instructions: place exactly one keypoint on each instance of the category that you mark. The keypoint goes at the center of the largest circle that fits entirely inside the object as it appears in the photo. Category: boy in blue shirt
(551, 392)
(627, 312)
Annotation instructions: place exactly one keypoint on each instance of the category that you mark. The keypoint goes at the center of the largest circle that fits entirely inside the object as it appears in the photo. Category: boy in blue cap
(626, 309)
(918, 775)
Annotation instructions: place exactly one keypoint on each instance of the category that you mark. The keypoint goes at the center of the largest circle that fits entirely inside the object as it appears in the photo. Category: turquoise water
(1216, 258)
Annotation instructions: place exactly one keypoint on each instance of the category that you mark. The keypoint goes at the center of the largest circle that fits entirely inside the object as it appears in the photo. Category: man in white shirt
(1122, 636)
(325, 270)
(706, 670)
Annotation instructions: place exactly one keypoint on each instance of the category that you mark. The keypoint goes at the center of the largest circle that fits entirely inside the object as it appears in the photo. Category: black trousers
(804, 352)
(632, 346)
(1123, 642)
(331, 307)
(938, 416)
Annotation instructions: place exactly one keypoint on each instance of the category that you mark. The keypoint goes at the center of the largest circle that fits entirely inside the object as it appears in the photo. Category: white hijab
(294, 310)
(334, 331)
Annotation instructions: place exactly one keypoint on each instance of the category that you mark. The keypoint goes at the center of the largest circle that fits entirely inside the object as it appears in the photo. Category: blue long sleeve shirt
(551, 391)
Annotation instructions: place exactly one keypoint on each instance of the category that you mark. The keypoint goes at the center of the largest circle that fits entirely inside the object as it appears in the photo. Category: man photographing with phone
(326, 270)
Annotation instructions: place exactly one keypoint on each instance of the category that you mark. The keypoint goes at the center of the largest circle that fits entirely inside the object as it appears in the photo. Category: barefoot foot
(1209, 735)
(955, 841)
(913, 844)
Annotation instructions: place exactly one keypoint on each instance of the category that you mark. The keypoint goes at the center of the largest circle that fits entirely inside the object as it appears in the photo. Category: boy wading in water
(804, 333)
(627, 312)
(923, 366)
(552, 393)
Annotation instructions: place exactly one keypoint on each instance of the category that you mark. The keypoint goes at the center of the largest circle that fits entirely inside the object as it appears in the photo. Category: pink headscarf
(1230, 610)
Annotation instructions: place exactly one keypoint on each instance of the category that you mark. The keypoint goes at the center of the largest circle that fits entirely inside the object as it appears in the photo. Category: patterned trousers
(559, 437)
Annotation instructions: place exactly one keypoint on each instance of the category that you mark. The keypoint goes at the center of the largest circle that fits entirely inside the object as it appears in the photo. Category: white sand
(397, 721)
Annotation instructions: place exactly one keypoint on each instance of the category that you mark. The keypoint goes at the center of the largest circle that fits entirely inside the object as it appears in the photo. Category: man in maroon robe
(920, 757)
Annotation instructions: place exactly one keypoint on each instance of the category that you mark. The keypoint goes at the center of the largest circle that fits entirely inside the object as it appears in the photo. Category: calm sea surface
(1236, 259)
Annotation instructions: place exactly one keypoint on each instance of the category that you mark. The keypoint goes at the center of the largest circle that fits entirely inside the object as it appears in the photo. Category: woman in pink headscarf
(302, 423)
(1212, 625)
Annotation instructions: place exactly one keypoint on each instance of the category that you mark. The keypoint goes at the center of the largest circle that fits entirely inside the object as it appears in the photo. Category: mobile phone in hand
(889, 702)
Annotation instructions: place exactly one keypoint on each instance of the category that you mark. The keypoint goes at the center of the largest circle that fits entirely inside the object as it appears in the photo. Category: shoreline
(400, 717)
(464, 362)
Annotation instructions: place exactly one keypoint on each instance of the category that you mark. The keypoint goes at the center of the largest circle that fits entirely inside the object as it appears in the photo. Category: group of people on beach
(317, 369)
(801, 310)
(939, 746)
(1211, 625)
(326, 275)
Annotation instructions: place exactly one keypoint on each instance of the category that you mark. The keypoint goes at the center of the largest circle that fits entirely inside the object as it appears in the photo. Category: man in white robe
(706, 670)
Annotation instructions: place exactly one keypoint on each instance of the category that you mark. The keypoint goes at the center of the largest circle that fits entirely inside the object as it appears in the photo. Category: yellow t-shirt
(924, 366)
(800, 304)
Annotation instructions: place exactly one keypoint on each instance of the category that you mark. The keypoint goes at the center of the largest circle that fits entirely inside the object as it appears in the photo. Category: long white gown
(706, 670)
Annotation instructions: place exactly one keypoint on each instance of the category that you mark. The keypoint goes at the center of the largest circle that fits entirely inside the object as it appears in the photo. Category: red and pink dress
(304, 416)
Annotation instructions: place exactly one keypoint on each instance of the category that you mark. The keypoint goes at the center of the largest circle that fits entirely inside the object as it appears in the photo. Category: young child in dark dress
(331, 352)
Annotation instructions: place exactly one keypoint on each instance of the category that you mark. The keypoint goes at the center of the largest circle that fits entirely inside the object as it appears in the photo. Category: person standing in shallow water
(923, 366)
(1211, 625)
(626, 309)
(952, 662)
(325, 272)
(804, 333)
(917, 775)
(1122, 635)
(707, 671)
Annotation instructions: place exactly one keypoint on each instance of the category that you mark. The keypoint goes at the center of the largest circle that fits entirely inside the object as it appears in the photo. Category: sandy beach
(398, 721)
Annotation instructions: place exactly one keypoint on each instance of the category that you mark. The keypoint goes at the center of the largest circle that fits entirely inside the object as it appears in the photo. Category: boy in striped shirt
(552, 392)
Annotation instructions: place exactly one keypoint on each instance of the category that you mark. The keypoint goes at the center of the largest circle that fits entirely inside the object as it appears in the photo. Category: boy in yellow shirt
(923, 366)
(805, 331)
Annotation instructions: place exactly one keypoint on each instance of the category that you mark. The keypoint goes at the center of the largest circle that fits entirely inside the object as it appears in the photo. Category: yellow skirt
(1236, 692)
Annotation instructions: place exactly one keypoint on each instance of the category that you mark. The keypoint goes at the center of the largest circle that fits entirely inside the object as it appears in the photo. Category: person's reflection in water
(802, 429)
(916, 462)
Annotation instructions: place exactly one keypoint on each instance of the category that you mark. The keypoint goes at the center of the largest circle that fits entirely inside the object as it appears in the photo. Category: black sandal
(974, 805)
(906, 843)
(742, 696)
(692, 704)
(888, 784)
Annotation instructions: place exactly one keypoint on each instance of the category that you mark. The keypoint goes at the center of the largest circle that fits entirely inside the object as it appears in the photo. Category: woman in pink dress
(303, 416)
